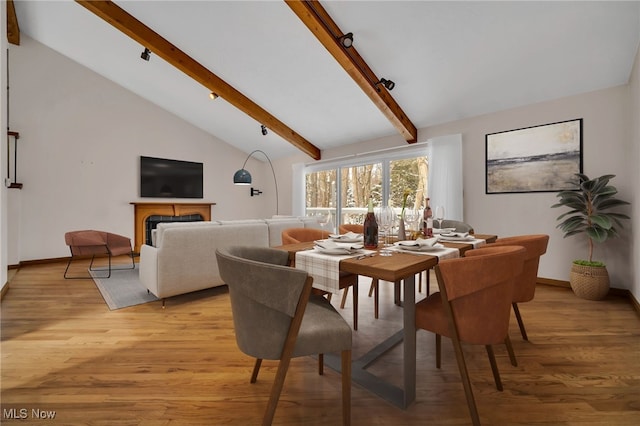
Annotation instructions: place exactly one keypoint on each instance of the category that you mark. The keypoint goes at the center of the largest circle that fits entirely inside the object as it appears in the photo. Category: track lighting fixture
(213, 96)
(263, 128)
(346, 40)
(386, 83)
(146, 54)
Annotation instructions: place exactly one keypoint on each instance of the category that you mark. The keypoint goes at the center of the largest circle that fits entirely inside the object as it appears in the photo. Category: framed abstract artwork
(542, 158)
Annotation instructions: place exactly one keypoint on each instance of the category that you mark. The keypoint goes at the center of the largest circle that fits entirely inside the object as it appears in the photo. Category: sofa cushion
(276, 226)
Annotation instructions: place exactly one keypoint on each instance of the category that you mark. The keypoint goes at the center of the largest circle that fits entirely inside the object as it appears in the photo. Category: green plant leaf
(602, 221)
(597, 234)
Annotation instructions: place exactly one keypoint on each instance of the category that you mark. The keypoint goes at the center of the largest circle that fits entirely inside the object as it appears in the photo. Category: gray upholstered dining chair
(458, 225)
(276, 317)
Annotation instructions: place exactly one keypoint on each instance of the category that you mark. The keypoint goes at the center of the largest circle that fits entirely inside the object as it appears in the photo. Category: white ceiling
(449, 60)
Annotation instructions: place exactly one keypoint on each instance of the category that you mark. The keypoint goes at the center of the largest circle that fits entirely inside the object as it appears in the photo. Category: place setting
(429, 246)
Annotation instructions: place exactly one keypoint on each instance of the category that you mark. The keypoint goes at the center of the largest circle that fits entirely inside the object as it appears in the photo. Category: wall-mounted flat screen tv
(164, 178)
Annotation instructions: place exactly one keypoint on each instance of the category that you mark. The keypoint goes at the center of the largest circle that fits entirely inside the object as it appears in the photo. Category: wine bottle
(370, 229)
(427, 220)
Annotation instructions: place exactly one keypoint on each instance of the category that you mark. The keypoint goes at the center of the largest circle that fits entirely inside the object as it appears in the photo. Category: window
(344, 187)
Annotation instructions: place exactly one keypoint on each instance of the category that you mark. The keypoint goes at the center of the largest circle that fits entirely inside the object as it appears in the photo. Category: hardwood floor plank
(63, 350)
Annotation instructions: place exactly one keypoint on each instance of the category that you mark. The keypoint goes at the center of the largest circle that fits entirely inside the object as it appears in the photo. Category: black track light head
(263, 128)
(386, 83)
(146, 54)
(346, 40)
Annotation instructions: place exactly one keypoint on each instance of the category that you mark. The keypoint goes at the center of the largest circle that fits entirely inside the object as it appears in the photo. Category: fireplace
(153, 221)
(171, 212)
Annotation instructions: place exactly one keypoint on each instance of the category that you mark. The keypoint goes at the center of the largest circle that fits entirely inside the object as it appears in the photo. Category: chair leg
(420, 282)
(438, 351)
(376, 297)
(466, 383)
(346, 387)
(276, 390)
(494, 367)
(512, 354)
(520, 323)
(256, 369)
(320, 364)
(373, 280)
(345, 292)
(428, 272)
(91, 265)
(355, 305)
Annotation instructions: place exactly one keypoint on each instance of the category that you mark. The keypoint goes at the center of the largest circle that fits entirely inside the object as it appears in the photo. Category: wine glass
(324, 218)
(439, 215)
(412, 216)
(385, 217)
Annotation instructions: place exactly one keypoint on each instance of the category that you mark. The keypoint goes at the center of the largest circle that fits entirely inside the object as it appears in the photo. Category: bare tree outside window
(358, 184)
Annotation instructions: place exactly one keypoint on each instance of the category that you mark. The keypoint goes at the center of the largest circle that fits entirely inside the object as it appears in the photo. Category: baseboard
(5, 289)
(619, 292)
(45, 261)
(555, 283)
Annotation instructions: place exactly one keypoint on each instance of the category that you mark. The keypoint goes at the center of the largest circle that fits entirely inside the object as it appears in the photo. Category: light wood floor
(64, 351)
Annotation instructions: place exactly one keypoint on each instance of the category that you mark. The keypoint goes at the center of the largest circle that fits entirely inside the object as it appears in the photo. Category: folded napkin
(420, 242)
(332, 245)
(457, 236)
(349, 236)
(443, 230)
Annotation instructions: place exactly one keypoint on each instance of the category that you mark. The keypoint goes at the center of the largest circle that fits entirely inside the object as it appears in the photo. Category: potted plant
(590, 214)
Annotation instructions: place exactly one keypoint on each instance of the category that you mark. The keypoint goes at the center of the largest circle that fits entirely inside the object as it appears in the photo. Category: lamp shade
(242, 177)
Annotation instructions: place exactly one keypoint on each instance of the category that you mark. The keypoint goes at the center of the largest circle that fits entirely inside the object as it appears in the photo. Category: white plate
(434, 247)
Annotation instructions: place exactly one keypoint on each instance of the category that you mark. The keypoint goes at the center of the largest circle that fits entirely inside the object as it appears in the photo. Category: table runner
(324, 268)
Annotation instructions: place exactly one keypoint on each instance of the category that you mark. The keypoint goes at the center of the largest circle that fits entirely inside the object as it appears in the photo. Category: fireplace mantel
(142, 211)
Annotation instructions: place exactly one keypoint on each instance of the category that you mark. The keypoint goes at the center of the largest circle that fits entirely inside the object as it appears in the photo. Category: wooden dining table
(399, 267)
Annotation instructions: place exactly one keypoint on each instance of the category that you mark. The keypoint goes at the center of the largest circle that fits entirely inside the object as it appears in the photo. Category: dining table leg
(409, 342)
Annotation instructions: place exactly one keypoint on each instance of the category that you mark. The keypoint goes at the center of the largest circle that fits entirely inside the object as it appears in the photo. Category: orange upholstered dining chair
(96, 243)
(473, 306)
(300, 235)
(525, 284)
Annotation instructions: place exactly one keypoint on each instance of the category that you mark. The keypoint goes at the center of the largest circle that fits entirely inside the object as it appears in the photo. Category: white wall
(3, 149)
(607, 142)
(81, 138)
(634, 160)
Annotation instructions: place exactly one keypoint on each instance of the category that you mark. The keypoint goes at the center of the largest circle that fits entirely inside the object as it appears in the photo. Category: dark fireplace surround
(153, 221)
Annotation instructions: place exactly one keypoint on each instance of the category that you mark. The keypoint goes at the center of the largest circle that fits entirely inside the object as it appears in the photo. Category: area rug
(122, 289)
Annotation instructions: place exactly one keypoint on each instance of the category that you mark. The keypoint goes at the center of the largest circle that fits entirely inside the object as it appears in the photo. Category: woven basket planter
(589, 282)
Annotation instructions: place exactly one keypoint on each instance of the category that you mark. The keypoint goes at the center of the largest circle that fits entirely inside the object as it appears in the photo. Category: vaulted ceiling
(278, 63)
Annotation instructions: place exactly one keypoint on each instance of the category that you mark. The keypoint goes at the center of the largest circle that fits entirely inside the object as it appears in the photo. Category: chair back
(265, 295)
(458, 225)
(535, 245)
(479, 289)
(86, 242)
(301, 235)
(351, 227)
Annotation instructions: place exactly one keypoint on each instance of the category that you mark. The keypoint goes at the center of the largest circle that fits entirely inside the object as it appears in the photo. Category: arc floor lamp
(243, 177)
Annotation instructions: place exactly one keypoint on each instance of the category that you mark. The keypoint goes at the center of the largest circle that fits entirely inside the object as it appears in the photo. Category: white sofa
(183, 257)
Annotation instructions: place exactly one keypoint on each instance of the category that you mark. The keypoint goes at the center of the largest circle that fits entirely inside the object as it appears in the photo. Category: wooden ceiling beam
(13, 30)
(129, 25)
(316, 18)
